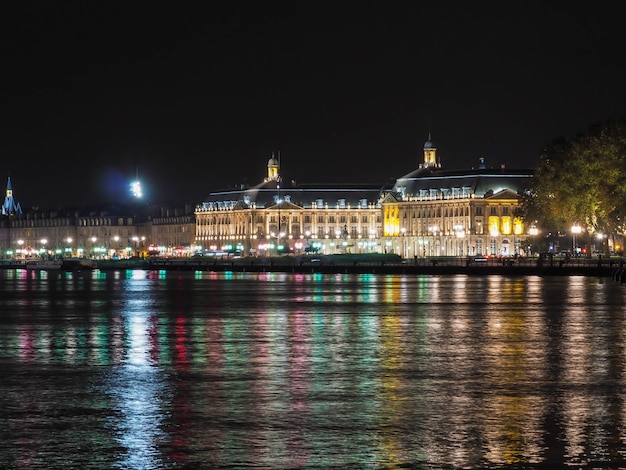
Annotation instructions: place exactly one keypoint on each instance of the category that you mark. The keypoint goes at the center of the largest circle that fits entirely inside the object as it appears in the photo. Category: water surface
(154, 369)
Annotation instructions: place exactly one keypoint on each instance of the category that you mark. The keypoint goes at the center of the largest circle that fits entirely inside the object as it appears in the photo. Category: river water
(154, 369)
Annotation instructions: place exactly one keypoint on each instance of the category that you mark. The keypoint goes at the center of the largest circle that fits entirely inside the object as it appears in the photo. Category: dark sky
(197, 98)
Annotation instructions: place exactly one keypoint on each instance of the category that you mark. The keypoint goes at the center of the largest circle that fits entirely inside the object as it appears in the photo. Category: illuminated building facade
(172, 232)
(103, 233)
(279, 217)
(428, 212)
(437, 212)
(94, 234)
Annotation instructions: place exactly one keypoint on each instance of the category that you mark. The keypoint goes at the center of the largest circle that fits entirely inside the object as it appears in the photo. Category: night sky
(195, 100)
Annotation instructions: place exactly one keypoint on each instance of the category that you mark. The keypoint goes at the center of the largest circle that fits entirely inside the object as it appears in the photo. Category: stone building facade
(278, 216)
(437, 212)
(428, 212)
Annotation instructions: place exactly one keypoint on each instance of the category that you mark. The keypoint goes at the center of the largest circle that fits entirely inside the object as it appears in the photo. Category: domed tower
(273, 165)
(430, 154)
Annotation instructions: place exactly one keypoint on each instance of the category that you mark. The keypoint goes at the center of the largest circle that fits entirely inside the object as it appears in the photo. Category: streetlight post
(116, 246)
(19, 251)
(576, 229)
(533, 232)
(600, 236)
(433, 229)
(136, 240)
(460, 235)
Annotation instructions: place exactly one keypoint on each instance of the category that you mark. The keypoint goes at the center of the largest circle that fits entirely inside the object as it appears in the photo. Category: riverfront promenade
(383, 264)
(376, 264)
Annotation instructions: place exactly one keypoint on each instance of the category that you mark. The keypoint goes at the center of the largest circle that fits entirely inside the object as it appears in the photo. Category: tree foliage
(581, 181)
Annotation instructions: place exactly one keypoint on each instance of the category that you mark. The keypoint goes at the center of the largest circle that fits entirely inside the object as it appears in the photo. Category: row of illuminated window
(437, 211)
(307, 219)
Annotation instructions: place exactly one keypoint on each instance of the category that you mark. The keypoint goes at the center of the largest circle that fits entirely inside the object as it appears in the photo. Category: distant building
(435, 212)
(430, 211)
(110, 231)
(94, 232)
(172, 231)
(278, 216)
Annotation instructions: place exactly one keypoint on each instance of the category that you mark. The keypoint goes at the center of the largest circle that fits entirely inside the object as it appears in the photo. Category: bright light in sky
(135, 189)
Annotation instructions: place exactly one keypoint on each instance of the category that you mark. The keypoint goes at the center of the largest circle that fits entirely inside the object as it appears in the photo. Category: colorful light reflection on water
(143, 369)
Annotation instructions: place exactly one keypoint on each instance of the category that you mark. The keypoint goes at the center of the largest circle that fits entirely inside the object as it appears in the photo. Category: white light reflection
(137, 386)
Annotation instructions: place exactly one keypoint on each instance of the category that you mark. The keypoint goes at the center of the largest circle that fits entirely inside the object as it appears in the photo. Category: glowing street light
(403, 234)
(533, 231)
(136, 240)
(459, 231)
(601, 236)
(68, 249)
(576, 229)
(432, 229)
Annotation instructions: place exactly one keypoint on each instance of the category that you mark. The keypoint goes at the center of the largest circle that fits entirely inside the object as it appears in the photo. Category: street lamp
(136, 240)
(280, 246)
(433, 229)
(460, 234)
(43, 242)
(373, 238)
(116, 245)
(533, 231)
(600, 236)
(576, 229)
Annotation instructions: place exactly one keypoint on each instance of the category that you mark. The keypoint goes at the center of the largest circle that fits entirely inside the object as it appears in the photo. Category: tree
(581, 181)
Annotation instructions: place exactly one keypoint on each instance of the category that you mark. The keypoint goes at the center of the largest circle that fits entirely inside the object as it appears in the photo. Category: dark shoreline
(613, 268)
(431, 267)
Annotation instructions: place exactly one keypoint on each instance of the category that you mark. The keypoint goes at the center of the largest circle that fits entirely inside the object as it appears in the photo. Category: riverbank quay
(333, 264)
(374, 264)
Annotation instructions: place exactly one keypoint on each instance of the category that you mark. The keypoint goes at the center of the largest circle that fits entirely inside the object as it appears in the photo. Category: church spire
(10, 207)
